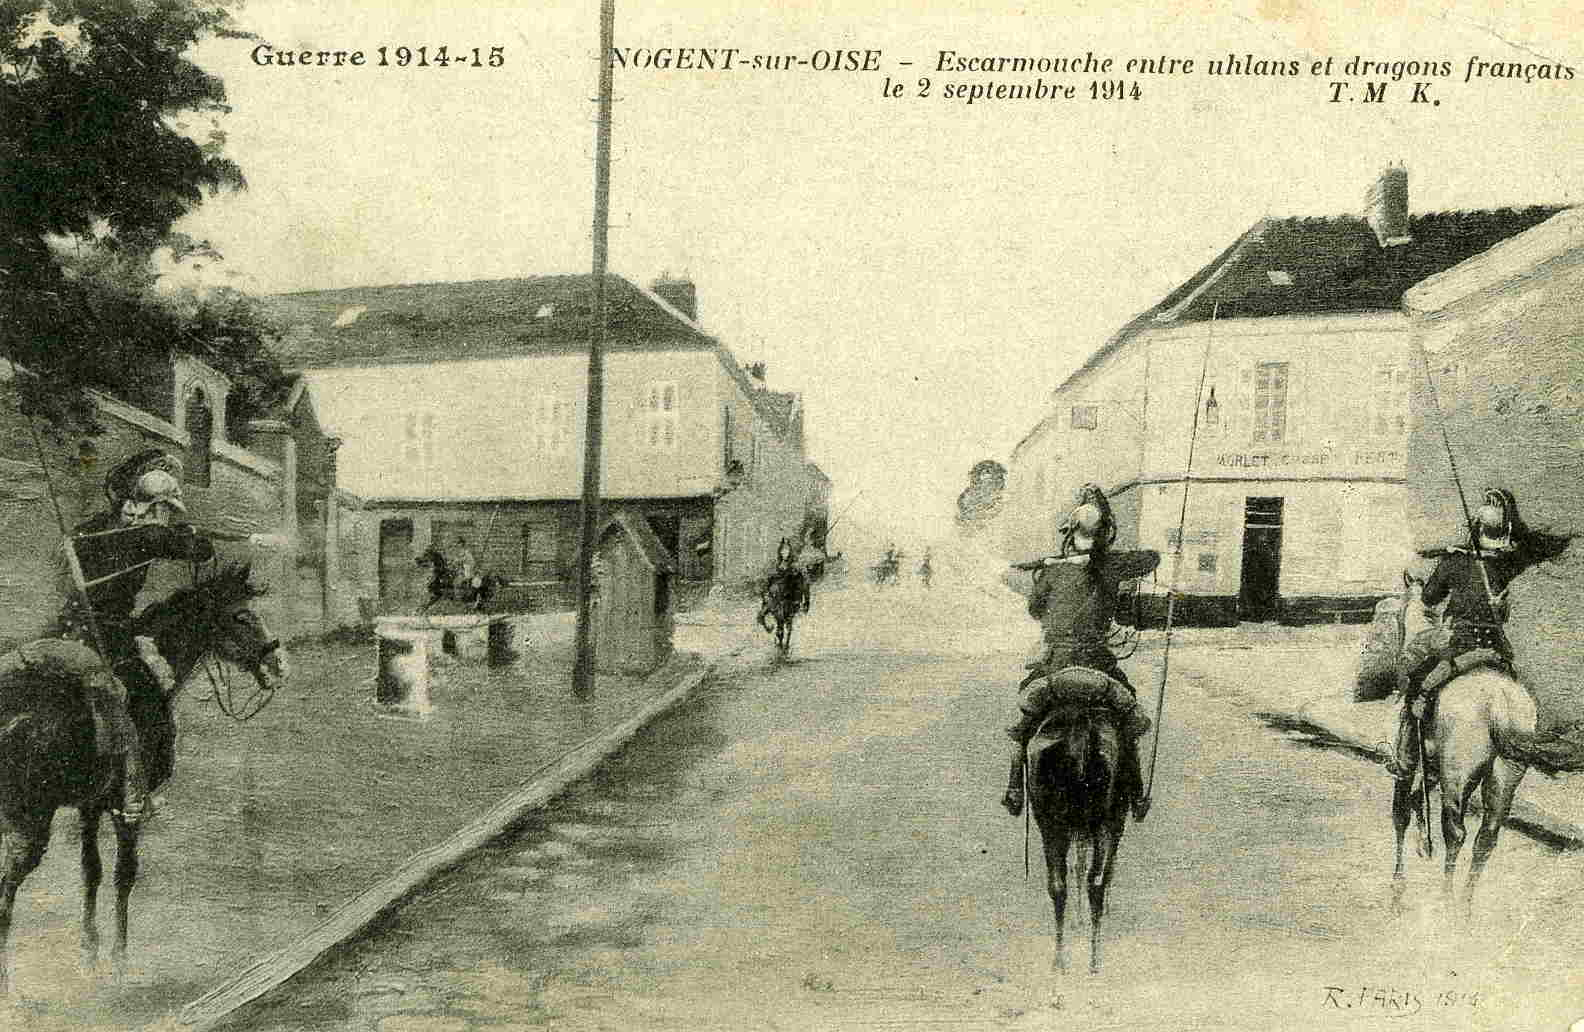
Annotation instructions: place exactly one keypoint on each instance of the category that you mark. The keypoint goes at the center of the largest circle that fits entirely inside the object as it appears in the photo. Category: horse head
(1413, 616)
(217, 616)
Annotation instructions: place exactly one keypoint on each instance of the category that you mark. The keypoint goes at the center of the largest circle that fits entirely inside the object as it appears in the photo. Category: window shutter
(1244, 428)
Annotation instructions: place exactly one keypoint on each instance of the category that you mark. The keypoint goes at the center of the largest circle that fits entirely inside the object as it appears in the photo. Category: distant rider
(925, 570)
(788, 580)
(1473, 584)
(1074, 599)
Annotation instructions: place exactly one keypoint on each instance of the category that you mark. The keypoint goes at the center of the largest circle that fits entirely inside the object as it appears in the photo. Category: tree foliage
(100, 113)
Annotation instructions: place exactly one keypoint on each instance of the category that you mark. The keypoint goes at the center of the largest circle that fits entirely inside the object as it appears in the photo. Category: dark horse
(786, 592)
(47, 755)
(1075, 792)
(440, 574)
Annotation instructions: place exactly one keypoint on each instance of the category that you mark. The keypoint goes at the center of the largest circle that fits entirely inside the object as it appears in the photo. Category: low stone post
(403, 681)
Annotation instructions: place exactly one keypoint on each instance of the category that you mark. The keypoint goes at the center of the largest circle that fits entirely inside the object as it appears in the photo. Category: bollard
(501, 646)
(403, 681)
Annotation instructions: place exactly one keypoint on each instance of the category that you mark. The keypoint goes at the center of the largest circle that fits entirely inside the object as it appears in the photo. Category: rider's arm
(155, 541)
(1039, 600)
(1439, 586)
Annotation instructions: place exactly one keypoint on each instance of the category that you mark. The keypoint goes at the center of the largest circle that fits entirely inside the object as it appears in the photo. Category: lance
(72, 565)
(1171, 592)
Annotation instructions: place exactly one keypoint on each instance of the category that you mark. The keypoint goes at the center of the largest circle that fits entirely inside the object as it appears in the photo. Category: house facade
(463, 408)
(1292, 506)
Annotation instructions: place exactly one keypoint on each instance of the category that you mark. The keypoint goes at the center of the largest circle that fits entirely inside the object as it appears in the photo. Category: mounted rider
(786, 581)
(114, 550)
(1473, 583)
(1074, 598)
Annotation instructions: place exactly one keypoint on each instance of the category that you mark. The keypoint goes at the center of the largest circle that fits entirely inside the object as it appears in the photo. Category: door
(396, 561)
(1262, 535)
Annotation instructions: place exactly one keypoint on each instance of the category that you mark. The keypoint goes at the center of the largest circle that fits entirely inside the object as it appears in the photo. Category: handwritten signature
(1396, 1001)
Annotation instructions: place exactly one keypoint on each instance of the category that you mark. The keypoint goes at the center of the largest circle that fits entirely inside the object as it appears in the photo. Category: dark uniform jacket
(130, 549)
(1075, 605)
(1476, 623)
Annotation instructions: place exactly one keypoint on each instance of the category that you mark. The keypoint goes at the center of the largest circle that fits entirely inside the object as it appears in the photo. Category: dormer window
(1279, 277)
(544, 311)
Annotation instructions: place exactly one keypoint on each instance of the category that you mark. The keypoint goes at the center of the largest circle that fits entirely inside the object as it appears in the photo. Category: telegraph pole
(583, 669)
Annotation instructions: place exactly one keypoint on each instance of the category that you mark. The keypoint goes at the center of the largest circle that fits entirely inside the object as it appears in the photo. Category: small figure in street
(786, 582)
(440, 575)
(925, 570)
(465, 562)
(116, 548)
(1074, 598)
(1472, 582)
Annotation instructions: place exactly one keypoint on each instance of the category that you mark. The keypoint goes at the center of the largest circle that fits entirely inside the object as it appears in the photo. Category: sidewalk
(269, 826)
(1306, 675)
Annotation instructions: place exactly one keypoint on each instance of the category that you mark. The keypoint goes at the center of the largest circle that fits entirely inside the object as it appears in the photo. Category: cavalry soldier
(115, 549)
(1074, 598)
(1473, 584)
(790, 579)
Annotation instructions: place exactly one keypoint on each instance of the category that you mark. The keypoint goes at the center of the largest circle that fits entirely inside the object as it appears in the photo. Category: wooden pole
(583, 668)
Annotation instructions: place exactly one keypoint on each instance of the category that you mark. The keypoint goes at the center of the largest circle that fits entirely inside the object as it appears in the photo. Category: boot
(118, 743)
(1135, 777)
(1013, 800)
(1404, 758)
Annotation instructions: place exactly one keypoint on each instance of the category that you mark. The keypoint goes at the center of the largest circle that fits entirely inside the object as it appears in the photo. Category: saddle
(1461, 664)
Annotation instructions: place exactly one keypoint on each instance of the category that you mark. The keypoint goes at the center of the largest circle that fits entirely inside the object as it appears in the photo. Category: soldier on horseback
(114, 550)
(1074, 599)
(787, 581)
(1473, 583)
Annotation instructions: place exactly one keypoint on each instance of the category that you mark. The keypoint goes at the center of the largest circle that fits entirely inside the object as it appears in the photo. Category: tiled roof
(1307, 266)
(478, 319)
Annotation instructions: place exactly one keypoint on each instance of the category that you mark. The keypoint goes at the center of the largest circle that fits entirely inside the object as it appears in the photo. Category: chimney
(679, 293)
(1386, 207)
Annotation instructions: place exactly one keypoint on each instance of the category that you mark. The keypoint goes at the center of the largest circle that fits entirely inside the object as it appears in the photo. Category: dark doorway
(396, 561)
(1262, 534)
(200, 434)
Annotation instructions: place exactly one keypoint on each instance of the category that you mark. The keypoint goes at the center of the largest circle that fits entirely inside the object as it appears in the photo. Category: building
(1499, 338)
(273, 475)
(1296, 492)
(463, 408)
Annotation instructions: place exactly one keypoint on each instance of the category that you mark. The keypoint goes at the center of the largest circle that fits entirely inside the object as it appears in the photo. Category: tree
(95, 102)
(980, 501)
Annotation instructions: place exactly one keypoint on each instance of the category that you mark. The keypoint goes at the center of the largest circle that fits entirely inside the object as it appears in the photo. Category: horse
(1075, 791)
(48, 758)
(1477, 733)
(441, 576)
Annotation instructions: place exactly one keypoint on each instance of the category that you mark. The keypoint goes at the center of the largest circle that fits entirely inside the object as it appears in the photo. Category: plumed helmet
(153, 475)
(1497, 519)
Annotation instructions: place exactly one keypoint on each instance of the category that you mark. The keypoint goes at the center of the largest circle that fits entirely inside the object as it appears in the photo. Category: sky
(925, 271)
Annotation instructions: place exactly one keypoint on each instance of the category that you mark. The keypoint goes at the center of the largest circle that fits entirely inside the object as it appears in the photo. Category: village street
(816, 844)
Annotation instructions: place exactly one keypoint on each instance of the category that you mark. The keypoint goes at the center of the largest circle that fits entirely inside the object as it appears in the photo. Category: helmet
(148, 477)
(1497, 519)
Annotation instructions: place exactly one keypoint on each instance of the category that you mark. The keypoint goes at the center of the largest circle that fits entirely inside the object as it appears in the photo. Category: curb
(1526, 816)
(222, 1003)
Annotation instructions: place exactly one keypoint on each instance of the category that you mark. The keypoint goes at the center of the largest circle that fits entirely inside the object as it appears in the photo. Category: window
(552, 424)
(659, 419)
(728, 429)
(1085, 417)
(1207, 562)
(1388, 413)
(200, 433)
(1270, 401)
(538, 559)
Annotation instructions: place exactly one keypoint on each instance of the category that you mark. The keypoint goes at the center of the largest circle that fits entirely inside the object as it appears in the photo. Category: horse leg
(21, 849)
(1455, 790)
(1402, 815)
(1102, 863)
(125, 876)
(1501, 783)
(92, 874)
(1056, 843)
